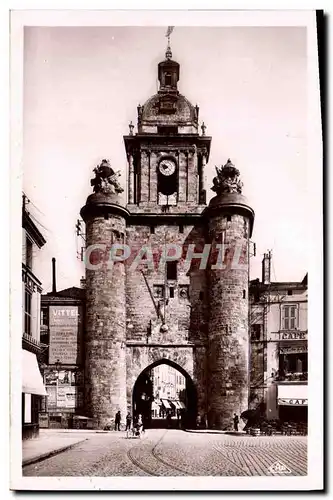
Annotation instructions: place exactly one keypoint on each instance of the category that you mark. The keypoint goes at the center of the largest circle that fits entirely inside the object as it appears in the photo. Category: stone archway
(143, 386)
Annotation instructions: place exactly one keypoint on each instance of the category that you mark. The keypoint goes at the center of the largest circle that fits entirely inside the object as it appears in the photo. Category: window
(244, 294)
(290, 292)
(28, 252)
(171, 292)
(172, 270)
(294, 363)
(152, 229)
(228, 218)
(168, 79)
(289, 318)
(45, 316)
(256, 331)
(27, 312)
(181, 228)
(201, 295)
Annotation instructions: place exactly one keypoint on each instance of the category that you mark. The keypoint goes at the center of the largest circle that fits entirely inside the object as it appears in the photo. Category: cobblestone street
(162, 452)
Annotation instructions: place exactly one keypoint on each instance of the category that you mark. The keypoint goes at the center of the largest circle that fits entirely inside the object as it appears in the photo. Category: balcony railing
(292, 377)
(32, 343)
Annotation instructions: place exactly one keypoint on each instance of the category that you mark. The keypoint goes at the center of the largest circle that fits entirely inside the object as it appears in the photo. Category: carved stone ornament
(227, 179)
(106, 179)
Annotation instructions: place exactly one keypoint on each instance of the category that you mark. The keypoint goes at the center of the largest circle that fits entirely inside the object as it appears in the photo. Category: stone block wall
(228, 351)
(105, 362)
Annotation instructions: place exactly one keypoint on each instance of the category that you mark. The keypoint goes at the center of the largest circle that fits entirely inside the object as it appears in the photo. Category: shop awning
(179, 405)
(32, 382)
(292, 395)
(166, 404)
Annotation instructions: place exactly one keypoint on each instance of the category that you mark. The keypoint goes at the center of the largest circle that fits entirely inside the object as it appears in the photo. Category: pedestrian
(178, 418)
(128, 421)
(117, 421)
(236, 421)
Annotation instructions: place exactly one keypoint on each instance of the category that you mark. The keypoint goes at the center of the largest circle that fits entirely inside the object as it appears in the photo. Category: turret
(230, 221)
(105, 340)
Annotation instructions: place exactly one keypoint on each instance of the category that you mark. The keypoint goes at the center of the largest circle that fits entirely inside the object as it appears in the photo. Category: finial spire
(168, 53)
(131, 127)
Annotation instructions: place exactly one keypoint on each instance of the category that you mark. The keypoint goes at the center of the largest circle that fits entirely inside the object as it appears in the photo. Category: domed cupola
(168, 111)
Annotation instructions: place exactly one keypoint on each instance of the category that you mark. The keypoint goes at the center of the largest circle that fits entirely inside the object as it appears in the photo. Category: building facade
(62, 330)
(168, 383)
(166, 275)
(33, 350)
(279, 346)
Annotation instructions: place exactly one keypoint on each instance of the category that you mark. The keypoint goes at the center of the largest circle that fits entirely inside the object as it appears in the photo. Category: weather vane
(168, 33)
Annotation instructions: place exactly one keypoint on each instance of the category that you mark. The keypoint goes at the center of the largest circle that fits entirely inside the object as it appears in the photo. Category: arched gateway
(144, 396)
(167, 276)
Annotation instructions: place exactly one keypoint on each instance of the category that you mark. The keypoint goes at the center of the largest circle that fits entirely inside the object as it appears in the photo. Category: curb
(49, 454)
(212, 431)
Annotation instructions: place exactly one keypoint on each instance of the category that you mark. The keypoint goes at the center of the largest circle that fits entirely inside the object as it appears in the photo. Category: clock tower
(172, 287)
(167, 155)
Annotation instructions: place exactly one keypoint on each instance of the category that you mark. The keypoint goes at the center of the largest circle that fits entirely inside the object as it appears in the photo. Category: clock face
(167, 167)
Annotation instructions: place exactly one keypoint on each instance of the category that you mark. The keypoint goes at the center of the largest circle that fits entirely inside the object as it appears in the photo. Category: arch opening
(165, 395)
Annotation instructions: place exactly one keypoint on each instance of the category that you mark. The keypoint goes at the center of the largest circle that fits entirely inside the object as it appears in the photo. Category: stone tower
(143, 311)
(230, 221)
(105, 364)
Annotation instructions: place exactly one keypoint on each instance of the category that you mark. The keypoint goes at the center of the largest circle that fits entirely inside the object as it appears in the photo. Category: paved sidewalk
(46, 445)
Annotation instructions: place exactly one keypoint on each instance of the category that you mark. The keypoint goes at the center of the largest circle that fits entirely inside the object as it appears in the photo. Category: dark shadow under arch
(142, 397)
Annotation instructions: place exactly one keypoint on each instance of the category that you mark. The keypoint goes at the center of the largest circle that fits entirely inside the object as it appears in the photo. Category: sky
(82, 86)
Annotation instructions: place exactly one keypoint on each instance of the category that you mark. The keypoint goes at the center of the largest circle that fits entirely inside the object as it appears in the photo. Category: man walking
(236, 421)
(117, 421)
(128, 421)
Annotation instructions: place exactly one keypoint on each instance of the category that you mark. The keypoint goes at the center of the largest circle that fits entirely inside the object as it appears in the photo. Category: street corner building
(193, 317)
(167, 282)
(33, 350)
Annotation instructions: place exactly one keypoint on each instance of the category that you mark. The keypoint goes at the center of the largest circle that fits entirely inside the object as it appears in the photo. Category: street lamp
(57, 366)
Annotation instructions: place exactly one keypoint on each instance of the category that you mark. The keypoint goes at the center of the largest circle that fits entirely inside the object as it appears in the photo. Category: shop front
(293, 403)
(33, 391)
(293, 356)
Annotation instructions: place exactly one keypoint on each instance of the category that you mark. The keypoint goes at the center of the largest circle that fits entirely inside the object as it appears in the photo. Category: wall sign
(293, 402)
(293, 335)
(51, 396)
(297, 349)
(65, 329)
(66, 397)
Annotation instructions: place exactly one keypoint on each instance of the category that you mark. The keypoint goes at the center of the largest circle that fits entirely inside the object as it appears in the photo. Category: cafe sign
(292, 402)
(293, 335)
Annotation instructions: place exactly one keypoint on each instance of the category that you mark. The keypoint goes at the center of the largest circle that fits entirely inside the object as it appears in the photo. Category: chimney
(54, 284)
(266, 268)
